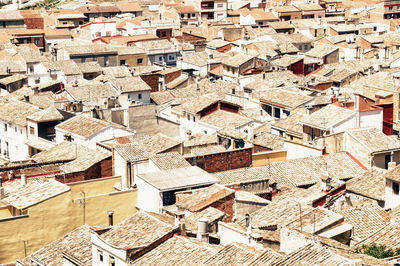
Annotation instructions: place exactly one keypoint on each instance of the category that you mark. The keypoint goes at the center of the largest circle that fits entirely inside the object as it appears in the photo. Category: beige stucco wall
(57, 216)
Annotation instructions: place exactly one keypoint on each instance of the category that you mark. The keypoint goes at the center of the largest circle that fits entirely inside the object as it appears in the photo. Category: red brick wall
(106, 167)
(34, 23)
(152, 81)
(227, 160)
(171, 76)
(101, 169)
(226, 205)
(225, 48)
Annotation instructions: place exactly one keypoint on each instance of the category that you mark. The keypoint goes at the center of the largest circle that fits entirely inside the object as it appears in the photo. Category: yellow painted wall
(268, 157)
(57, 216)
(5, 212)
(294, 138)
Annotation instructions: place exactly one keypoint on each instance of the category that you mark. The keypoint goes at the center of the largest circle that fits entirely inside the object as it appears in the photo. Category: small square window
(122, 62)
(112, 261)
(139, 61)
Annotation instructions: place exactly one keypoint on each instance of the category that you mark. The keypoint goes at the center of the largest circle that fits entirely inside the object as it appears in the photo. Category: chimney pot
(202, 230)
(110, 218)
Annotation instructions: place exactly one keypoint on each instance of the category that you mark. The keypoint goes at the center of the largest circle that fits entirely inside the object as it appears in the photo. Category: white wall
(148, 198)
(103, 28)
(372, 118)
(16, 137)
(119, 255)
(297, 150)
(347, 123)
(391, 200)
(228, 235)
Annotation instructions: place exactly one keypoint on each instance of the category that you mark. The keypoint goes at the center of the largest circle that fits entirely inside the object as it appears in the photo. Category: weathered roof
(373, 139)
(286, 8)
(327, 116)
(370, 184)
(310, 7)
(137, 232)
(77, 158)
(321, 51)
(287, 60)
(131, 152)
(173, 179)
(291, 123)
(222, 119)
(178, 250)
(83, 125)
(11, 79)
(269, 257)
(156, 143)
(169, 160)
(296, 172)
(90, 49)
(75, 244)
(388, 235)
(35, 191)
(209, 213)
(128, 6)
(237, 60)
(284, 98)
(16, 112)
(130, 84)
(185, 9)
(10, 15)
(234, 254)
(89, 67)
(203, 198)
(365, 219)
(271, 141)
(50, 114)
(217, 43)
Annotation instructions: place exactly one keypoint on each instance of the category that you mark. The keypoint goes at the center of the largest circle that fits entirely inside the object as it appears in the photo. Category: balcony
(207, 5)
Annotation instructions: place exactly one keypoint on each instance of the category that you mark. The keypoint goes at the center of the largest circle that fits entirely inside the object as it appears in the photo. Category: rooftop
(169, 160)
(327, 116)
(374, 140)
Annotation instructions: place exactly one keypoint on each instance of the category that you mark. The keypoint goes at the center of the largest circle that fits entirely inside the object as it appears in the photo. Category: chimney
(325, 182)
(23, 179)
(2, 194)
(110, 218)
(202, 230)
(180, 222)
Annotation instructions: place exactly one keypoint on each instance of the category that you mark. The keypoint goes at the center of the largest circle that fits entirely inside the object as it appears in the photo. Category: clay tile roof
(321, 51)
(203, 198)
(137, 232)
(223, 119)
(178, 250)
(310, 7)
(185, 9)
(16, 112)
(365, 219)
(130, 84)
(388, 235)
(50, 114)
(210, 213)
(169, 160)
(374, 140)
(10, 15)
(131, 152)
(129, 6)
(284, 98)
(234, 254)
(370, 184)
(76, 244)
(83, 125)
(269, 257)
(35, 191)
(327, 116)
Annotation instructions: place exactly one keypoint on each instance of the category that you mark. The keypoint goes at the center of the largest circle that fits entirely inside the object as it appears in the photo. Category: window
(277, 112)
(286, 112)
(171, 57)
(163, 34)
(106, 60)
(395, 187)
(188, 118)
(112, 261)
(312, 134)
(194, 119)
(108, 33)
(268, 109)
(31, 69)
(122, 62)
(31, 131)
(300, 47)
(5, 127)
(83, 59)
(220, 5)
(260, 23)
(160, 59)
(98, 34)
(16, 130)
(193, 15)
(305, 47)
(205, 132)
(139, 96)
(37, 41)
(139, 61)
(101, 258)
(182, 15)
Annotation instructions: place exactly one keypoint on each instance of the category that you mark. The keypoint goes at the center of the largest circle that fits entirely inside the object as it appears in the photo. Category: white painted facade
(297, 150)
(107, 133)
(149, 198)
(392, 199)
(37, 74)
(99, 247)
(102, 29)
(199, 70)
(13, 142)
